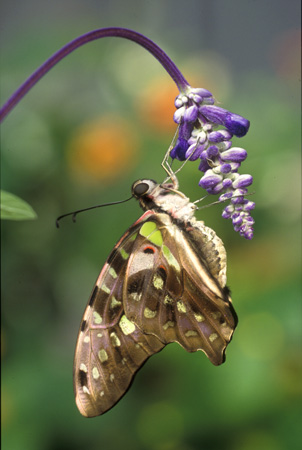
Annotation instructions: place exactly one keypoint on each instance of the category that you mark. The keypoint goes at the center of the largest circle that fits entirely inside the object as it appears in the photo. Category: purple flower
(210, 179)
(237, 125)
(219, 136)
(227, 183)
(194, 152)
(225, 168)
(190, 114)
(234, 123)
(242, 181)
(180, 149)
(208, 130)
(235, 154)
(212, 152)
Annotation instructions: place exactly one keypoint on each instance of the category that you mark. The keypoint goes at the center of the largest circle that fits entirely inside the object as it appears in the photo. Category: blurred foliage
(14, 208)
(81, 137)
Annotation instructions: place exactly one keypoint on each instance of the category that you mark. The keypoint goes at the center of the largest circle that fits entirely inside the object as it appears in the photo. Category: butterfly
(164, 281)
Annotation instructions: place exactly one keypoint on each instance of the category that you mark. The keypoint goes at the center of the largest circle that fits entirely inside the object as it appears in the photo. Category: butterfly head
(163, 198)
(145, 191)
(141, 188)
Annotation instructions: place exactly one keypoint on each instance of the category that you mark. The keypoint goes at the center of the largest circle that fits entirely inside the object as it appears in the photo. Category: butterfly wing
(162, 283)
(110, 348)
(179, 294)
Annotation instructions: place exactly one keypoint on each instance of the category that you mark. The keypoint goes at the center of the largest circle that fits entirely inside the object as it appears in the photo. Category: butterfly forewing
(110, 348)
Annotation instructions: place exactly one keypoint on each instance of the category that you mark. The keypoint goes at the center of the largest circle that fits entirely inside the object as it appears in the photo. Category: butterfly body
(163, 282)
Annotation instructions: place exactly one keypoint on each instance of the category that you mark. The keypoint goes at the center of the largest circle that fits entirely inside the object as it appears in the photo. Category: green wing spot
(124, 254)
(156, 238)
(147, 228)
(172, 261)
(133, 237)
(152, 233)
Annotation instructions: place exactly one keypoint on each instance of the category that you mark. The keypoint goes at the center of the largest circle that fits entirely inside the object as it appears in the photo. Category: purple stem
(154, 49)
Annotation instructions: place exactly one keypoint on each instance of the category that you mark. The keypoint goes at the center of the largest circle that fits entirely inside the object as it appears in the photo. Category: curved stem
(149, 45)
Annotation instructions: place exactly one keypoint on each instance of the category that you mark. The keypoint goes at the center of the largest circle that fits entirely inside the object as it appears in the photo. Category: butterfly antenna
(74, 213)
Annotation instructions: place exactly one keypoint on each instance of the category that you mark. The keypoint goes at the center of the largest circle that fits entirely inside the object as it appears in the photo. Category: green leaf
(14, 208)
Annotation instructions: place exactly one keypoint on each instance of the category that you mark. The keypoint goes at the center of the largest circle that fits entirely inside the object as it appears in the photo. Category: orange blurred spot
(103, 149)
(156, 105)
(285, 54)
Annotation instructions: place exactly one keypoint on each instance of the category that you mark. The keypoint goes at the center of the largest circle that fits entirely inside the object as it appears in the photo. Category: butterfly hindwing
(175, 295)
(110, 348)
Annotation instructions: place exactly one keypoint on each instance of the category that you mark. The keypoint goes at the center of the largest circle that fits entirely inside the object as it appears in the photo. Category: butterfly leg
(167, 167)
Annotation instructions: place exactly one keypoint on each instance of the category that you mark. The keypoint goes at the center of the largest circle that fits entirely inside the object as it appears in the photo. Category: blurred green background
(100, 120)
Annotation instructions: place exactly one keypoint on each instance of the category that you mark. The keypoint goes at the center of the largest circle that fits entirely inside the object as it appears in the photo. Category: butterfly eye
(140, 189)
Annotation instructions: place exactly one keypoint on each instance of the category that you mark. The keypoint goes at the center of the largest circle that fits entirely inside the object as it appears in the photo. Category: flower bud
(215, 189)
(209, 180)
(184, 99)
(249, 206)
(201, 92)
(214, 114)
(236, 124)
(235, 166)
(179, 151)
(219, 136)
(190, 114)
(201, 137)
(237, 219)
(237, 200)
(179, 114)
(242, 181)
(197, 99)
(194, 150)
(178, 102)
(225, 145)
(185, 130)
(212, 151)
(235, 154)
(203, 166)
(227, 183)
(226, 215)
(250, 220)
(225, 168)
(226, 196)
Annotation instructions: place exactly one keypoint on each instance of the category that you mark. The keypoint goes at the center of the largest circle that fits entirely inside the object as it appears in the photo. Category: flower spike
(205, 133)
